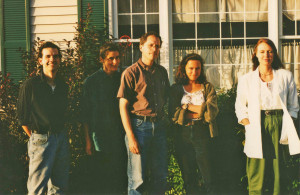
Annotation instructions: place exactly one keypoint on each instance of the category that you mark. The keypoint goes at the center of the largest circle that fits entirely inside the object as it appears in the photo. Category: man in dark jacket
(102, 124)
(41, 111)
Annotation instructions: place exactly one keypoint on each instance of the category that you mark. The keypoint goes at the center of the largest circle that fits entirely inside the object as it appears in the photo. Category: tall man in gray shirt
(142, 94)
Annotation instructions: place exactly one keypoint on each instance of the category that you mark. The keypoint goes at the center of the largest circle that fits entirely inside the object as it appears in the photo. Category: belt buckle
(267, 113)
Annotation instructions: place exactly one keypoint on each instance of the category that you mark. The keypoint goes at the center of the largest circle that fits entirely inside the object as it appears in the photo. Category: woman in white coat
(266, 105)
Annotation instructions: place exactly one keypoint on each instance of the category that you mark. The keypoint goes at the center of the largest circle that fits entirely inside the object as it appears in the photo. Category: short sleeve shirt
(146, 88)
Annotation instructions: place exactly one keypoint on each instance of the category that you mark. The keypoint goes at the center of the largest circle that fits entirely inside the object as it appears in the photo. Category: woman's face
(193, 69)
(264, 54)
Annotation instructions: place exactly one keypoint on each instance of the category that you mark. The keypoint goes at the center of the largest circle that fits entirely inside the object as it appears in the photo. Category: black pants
(193, 150)
(109, 173)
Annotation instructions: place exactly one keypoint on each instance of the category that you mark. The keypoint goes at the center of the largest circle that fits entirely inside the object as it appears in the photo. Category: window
(223, 32)
(290, 38)
(134, 18)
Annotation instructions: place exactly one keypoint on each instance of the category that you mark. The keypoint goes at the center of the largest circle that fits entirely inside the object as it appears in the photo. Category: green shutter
(98, 15)
(16, 35)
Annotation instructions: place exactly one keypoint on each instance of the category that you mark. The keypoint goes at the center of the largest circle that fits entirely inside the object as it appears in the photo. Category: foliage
(79, 62)
(175, 180)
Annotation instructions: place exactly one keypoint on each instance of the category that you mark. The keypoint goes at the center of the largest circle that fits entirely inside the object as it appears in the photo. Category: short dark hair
(181, 77)
(108, 46)
(276, 64)
(144, 37)
(48, 44)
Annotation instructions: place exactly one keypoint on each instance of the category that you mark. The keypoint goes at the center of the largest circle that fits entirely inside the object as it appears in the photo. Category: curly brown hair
(276, 64)
(181, 77)
(108, 46)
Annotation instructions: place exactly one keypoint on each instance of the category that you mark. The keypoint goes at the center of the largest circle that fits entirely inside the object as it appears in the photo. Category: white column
(165, 27)
(274, 22)
(112, 18)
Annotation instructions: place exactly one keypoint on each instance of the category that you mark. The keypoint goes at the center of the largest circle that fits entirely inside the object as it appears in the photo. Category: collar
(102, 72)
(44, 79)
(145, 67)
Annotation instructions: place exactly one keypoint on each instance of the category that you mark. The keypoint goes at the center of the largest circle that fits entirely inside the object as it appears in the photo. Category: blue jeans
(152, 159)
(48, 163)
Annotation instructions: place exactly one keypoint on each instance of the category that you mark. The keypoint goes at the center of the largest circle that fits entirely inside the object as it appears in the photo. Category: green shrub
(78, 63)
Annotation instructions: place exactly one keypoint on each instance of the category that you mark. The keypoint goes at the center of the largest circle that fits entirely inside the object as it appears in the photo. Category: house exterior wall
(23, 21)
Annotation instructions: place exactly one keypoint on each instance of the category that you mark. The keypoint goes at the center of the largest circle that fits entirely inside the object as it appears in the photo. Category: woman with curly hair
(193, 108)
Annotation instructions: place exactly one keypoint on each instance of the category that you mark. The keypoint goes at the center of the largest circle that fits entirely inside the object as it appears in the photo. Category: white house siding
(53, 20)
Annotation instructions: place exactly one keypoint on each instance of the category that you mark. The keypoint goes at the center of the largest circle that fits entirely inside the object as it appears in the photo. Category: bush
(77, 64)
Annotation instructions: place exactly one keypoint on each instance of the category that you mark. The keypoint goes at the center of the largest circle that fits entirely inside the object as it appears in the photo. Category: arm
(88, 142)
(292, 98)
(132, 142)
(174, 101)
(24, 107)
(209, 109)
(86, 110)
(241, 108)
(27, 130)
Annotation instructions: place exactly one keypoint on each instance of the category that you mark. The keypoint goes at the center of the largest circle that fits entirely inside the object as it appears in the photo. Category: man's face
(111, 62)
(150, 49)
(50, 60)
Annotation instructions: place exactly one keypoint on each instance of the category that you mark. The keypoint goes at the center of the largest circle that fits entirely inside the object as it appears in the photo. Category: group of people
(134, 101)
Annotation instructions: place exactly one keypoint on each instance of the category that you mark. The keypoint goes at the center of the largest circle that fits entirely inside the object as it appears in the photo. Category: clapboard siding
(54, 11)
(51, 3)
(55, 36)
(53, 20)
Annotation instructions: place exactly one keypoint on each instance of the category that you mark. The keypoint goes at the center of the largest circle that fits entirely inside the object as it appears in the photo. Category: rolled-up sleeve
(211, 104)
(24, 104)
(126, 89)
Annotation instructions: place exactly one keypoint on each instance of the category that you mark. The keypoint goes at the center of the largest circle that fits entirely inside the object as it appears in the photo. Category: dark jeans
(192, 145)
(109, 172)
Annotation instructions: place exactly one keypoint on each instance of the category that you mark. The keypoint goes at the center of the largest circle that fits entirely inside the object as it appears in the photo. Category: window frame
(275, 28)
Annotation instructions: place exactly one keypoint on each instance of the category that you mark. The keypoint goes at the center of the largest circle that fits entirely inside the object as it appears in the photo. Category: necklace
(263, 74)
(266, 74)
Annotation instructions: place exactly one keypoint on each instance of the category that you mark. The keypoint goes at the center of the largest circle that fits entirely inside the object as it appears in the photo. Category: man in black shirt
(102, 124)
(41, 111)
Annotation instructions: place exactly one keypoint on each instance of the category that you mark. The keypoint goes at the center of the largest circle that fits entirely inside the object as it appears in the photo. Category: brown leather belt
(195, 122)
(146, 118)
(271, 112)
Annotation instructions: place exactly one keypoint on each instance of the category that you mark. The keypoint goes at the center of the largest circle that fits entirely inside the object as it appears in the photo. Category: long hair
(276, 64)
(181, 77)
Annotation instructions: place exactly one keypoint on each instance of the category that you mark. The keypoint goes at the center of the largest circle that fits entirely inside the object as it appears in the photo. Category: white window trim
(166, 33)
(165, 25)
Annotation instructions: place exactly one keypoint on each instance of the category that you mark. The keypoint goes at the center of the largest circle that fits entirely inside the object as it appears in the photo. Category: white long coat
(247, 105)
